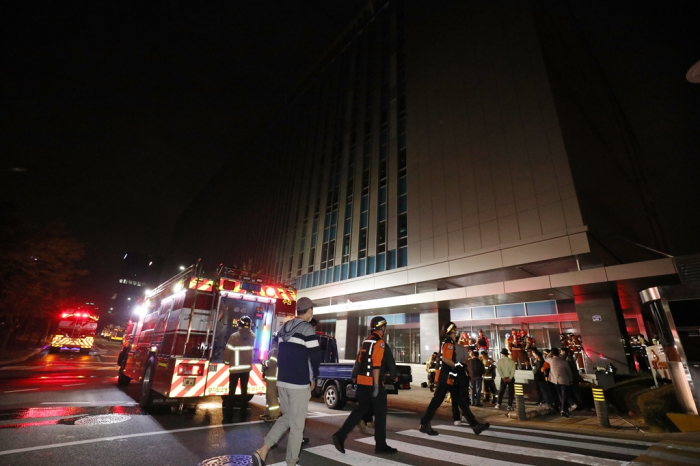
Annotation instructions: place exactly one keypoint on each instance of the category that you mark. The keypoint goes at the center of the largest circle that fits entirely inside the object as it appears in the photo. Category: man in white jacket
(560, 375)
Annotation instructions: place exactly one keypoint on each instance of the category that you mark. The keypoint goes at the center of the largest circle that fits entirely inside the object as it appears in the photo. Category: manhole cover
(228, 460)
(102, 419)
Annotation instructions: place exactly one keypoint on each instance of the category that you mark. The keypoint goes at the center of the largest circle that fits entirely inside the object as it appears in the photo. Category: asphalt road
(66, 409)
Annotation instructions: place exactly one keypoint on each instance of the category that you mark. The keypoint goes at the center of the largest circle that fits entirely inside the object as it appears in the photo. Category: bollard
(601, 407)
(520, 402)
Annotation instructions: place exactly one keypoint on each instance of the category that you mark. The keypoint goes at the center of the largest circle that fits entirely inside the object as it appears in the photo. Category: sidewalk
(417, 399)
(15, 355)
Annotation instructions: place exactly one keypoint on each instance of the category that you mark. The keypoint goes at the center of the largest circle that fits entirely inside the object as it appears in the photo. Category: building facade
(460, 161)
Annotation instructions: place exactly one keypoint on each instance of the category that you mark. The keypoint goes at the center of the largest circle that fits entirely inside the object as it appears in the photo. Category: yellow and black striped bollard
(520, 402)
(601, 407)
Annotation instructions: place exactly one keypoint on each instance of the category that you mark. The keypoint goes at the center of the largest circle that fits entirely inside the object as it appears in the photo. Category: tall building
(138, 273)
(458, 161)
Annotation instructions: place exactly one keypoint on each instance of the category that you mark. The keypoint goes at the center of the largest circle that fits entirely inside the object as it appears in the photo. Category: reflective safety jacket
(271, 365)
(445, 373)
(239, 351)
(370, 358)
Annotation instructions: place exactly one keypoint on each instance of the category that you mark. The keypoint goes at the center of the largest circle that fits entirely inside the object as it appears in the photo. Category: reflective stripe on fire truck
(60, 341)
(201, 284)
(217, 381)
(177, 385)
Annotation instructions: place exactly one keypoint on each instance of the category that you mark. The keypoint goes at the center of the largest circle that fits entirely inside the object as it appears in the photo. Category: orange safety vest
(370, 358)
(447, 350)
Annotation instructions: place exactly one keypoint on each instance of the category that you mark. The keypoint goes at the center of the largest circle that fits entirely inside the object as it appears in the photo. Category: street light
(182, 267)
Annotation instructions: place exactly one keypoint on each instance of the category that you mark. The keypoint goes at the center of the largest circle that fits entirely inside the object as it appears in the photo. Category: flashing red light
(65, 314)
(270, 291)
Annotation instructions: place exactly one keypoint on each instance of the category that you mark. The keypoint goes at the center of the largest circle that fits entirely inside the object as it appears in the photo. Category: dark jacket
(388, 365)
(537, 370)
(574, 370)
(475, 367)
(298, 349)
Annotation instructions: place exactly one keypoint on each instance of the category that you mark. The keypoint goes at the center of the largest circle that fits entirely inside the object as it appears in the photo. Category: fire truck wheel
(332, 397)
(54, 350)
(146, 383)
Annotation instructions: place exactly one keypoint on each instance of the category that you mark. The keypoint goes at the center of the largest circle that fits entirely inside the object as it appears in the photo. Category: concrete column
(341, 328)
(429, 333)
(602, 337)
(351, 337)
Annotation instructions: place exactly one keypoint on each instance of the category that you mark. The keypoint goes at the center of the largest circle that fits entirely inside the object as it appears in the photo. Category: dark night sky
(121, 114)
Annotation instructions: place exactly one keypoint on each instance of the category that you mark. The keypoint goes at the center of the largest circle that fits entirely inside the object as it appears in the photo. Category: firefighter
(272, 403)
(430, 368)
(373, 362)
(450, 369)
(239, 357)
(515, 346)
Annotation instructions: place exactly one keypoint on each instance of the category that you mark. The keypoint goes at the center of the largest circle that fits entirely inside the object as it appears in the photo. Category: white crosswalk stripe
(548, 440)
(448, 457)
(565, 434)
(499, 446)
(518, 450)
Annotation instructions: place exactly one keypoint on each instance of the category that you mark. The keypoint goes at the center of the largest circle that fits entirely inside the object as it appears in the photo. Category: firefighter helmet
(447, 327)
(377, 323)
(245, 322)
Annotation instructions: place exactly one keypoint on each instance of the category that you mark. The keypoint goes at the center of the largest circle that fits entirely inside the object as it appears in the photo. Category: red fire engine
(175, 346)
(76, 329)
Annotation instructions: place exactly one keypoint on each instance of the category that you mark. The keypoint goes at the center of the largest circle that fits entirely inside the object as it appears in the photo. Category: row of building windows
(353, 269)
(539, 308)
(130, 282)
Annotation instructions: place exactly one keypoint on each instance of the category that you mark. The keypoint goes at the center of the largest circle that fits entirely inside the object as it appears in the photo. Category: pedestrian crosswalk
(501, 446)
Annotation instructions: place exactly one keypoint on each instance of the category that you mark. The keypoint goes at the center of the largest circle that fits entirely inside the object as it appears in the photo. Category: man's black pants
(511, 391)
(364, 402)
(463, 400)
(443, 388)
(232, 383)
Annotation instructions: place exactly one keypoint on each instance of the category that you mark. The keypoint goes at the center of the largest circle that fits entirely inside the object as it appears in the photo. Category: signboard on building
(597, 318)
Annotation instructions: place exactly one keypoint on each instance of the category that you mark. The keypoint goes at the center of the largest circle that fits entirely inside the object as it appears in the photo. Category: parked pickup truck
(334, 383)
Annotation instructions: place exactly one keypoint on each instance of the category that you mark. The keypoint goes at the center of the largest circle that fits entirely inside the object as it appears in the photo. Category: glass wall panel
(460, 314)
(487, 312)
(510, 310)
(541, 308)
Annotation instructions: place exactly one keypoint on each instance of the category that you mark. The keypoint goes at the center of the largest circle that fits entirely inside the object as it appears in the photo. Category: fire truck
(174, 345)
(76, 330)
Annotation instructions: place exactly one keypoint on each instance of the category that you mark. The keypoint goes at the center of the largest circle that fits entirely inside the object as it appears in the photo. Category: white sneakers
(498, 406)
(573, 407)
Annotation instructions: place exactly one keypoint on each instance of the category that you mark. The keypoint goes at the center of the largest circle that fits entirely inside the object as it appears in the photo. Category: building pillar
(602, 331)
(429, 333)
(352, 329)
(341, 328)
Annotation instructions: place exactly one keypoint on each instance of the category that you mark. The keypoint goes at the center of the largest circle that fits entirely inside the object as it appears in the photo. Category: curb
(24, 358)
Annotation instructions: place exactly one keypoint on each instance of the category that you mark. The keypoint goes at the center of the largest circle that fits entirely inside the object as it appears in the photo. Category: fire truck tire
(332, 397)
(146, 399)
(54, 350)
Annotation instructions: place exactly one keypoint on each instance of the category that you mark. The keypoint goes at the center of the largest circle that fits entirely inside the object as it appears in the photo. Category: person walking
(476, 373)
(272, 403)
(447, 374)
(545, 398)
(372, 362)
(506, 371)
(298, 361)
(489, 376)
(560, 375)
(568, 356)
(238, 355)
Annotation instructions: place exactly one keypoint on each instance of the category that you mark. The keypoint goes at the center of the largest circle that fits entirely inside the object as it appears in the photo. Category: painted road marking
(586, 437)
(549, 441)
(120, 437)
(354, 458)
(73, 384)
(23, 390)
(447, 457)
(519, 450)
